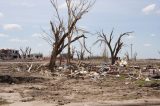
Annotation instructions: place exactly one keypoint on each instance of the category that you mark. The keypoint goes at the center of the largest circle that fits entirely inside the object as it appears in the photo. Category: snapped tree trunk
(52, 63)
(69, 51)
(113, 60)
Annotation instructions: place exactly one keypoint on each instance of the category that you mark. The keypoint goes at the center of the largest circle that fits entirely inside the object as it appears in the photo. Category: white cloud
(12, 27)
(153, 35)
(37, 35)
(147, 45)
(148, 9)
(17, 40)
(3, 35)
(1, 15)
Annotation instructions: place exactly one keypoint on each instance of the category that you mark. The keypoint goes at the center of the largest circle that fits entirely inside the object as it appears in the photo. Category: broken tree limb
(29, 69)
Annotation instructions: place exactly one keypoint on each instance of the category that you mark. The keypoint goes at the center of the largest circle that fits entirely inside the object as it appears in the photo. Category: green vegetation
(3, 101)
(122, 77)
(151, 83)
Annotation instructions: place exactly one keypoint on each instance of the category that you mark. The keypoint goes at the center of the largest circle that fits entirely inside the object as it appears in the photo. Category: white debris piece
(147, 79)
(29, 69)
(118, 76)
(123, 63)
(126, 83)
(60, 68)
(104, 74)
(95, 75)
(83, 72)
(144, 68)
(18, 69)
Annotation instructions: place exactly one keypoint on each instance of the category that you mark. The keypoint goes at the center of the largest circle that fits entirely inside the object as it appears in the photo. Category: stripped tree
(26, 52)
(127, 56)
(135, 56)
(81, 53)
(105, 54)
(83, 49)
(61, 30)
(115, 49)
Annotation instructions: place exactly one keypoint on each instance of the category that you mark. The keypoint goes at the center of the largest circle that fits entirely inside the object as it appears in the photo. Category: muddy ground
(34, 89)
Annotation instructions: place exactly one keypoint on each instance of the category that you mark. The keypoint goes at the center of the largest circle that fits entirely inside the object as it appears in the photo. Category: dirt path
(141, 102)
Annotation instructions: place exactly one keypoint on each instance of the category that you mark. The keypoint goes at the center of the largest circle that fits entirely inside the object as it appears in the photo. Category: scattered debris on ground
(77, 83)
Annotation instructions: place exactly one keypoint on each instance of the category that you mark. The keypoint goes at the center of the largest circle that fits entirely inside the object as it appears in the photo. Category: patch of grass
(122, 77)
(140, 83)
(143, 83)
(3, 102)
(130, 97)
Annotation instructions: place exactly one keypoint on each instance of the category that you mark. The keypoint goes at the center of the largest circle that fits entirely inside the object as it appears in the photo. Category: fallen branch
(29, 70)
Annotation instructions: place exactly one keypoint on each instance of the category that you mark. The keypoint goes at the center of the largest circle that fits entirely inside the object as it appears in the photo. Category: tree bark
(52, 63)
(69, 51)
(113, 60)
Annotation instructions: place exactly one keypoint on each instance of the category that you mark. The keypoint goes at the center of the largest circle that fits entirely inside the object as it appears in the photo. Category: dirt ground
(35, 89)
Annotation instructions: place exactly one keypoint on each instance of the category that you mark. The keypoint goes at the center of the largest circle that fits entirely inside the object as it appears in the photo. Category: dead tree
(114, 50)
(83, 50)
(127, 56)
(26, 52)
(105, 54)
(80, 55)
(72, 52)
(76, 29)
(60, 30)
(135, 56)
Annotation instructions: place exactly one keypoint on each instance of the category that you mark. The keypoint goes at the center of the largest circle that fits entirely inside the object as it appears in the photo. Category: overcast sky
(22, 21)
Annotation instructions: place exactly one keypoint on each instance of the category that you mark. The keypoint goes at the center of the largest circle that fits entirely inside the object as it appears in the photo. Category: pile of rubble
(31, 68)
(87, 70)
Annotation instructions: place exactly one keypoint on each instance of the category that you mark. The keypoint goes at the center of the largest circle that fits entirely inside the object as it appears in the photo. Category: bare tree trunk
(60, 60)
(82, 55)
(52, 63)
(113, 59)
(105, 55)
(135, 56)
(69, 51)
(68, 55)
(62, 30)
(114, 50)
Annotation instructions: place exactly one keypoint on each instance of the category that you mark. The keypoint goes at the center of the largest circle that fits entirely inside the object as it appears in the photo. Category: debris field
(78, 84)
